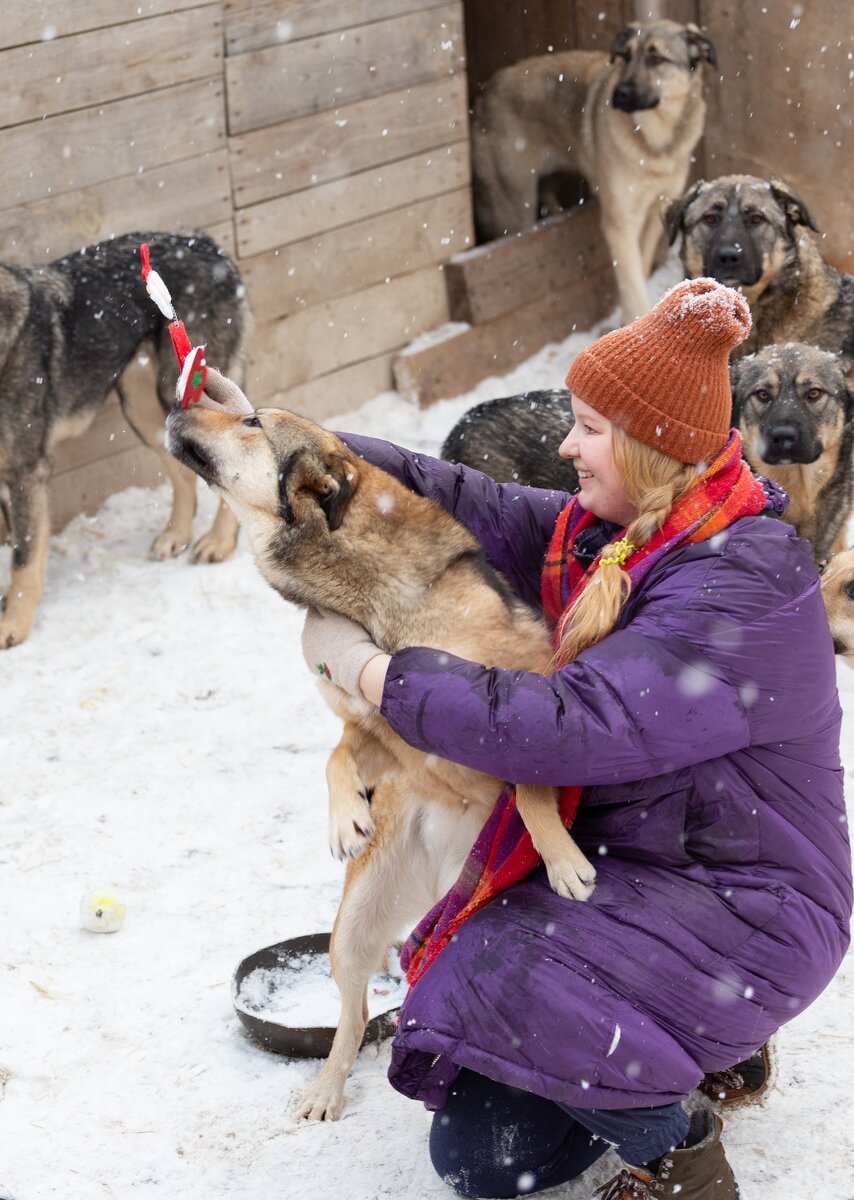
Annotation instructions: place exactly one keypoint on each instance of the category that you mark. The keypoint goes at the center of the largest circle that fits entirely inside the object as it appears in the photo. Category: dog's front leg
(351, 823)
(570, 873)
(623, 230)
(30, 530)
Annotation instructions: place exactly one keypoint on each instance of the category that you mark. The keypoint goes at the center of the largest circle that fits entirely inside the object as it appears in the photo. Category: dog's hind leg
(30, 531)
(144, 413)
(380, 896)
(570, 874)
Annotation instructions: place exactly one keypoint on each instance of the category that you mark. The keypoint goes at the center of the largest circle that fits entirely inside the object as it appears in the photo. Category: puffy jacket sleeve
(641, 703)
(512, 523)
(724, 645)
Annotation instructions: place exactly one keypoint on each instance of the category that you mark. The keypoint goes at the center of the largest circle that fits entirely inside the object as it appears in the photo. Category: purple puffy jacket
(705, 732)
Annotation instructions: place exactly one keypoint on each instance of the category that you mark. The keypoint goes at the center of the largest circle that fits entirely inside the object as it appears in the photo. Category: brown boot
(699, 1173)
(742, 1084)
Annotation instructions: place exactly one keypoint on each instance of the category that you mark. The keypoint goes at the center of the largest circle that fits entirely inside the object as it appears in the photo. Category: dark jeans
(491, 1140)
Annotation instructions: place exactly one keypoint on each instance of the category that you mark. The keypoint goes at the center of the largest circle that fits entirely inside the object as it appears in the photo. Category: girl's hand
(338, 649)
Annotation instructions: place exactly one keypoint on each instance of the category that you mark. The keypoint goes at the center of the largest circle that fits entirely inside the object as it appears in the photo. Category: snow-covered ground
(162, 736)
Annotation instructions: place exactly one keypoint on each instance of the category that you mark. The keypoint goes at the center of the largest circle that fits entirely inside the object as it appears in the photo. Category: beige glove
(337, 648)
(222, 395)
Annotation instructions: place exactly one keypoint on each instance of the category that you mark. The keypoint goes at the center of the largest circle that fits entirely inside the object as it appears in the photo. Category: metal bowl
(305, 1042)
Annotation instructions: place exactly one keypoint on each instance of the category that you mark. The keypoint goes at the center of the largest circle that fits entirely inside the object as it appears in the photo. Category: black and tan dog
(627, 124)
(324, 526)
(837, 592)
(756, 235)
(795, 408)
(67, 332)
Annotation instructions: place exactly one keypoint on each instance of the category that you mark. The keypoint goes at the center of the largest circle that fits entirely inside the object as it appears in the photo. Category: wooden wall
(323, 142)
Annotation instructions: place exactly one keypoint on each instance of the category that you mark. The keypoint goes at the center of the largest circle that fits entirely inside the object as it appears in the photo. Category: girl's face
(589, 446)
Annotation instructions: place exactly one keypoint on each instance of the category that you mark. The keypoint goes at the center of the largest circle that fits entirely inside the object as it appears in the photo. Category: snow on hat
(664, 379)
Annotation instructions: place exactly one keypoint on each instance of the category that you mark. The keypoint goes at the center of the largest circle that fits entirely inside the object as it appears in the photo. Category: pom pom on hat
(664, 378)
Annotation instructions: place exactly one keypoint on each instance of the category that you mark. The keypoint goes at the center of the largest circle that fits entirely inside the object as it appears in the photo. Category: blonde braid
(653, 482)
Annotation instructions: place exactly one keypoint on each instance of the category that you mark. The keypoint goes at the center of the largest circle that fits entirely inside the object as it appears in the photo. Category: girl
(693, 715)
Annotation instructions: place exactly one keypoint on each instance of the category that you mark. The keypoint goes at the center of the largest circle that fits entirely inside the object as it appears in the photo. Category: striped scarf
(503, 853)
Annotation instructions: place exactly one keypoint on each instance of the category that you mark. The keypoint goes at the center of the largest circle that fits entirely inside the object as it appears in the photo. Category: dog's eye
(754, 219)
(252, 422)
(762, 395)
(849, 589)
(814, 394)
(710, 218)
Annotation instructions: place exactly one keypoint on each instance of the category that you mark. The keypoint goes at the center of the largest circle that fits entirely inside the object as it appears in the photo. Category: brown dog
(795, 409)
(627, 124)
(756, 235)
(324, 526)
(837, 591)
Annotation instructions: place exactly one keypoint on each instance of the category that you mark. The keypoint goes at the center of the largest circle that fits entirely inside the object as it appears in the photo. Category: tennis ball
(102, 911)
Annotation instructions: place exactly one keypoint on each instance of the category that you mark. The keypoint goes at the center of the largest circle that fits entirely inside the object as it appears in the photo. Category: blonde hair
(653, 482)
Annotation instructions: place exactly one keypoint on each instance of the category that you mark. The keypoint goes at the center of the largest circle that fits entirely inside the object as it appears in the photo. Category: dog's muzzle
(626, 99)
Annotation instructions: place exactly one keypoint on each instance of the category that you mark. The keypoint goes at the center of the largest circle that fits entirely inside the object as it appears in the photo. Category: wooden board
(509, 272)
(254, 24)
(78, 149)
(334, 145)
(344, 260)
(367, 193)
(328, 396)
(167, 197)
(84, 489)
(347, 330)
(42, 21)
(102, 65)
(454, 366)
(298, 78)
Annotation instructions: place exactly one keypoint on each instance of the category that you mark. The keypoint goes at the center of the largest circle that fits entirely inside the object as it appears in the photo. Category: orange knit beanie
(664, 379)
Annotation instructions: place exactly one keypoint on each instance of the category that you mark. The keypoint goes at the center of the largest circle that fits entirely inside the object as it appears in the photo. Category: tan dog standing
(628, 125)
(331, 531)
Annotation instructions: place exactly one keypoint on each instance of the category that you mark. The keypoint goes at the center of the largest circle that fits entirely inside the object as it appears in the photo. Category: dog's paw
(320, 1103)
(351, 826)
(210, 548)
(169, 544)
(13, 632)
(573, 881)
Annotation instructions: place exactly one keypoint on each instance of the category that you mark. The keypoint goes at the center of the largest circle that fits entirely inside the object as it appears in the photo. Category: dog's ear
(735, 374)
(675, 211)
(700, 48)
(792, 205)
(621, 43)
(334, 487)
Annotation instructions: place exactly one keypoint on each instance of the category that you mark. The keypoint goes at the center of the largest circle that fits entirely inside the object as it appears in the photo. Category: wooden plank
(333, 145)
(367, 193)
(84, 489)
(254, 24)
(44, 20)
(355, 256)
(109, 64)
(452, 367)
(108, 434)
(502, 275)
(327, 397)
(168, 197)
(294, 80)
(347, 330)
(79, 149)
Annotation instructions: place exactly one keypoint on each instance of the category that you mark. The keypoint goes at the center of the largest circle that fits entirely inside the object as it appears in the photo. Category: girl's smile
(589, 445)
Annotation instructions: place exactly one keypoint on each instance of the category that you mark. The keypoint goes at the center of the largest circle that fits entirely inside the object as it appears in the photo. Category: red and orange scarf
(503, 853)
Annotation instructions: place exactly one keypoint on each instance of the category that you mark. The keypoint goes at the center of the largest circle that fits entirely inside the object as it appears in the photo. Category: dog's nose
(625, 98)
(729, 255)
(782, 438)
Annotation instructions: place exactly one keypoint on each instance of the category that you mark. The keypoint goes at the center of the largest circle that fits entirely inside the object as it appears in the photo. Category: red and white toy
(191, 359)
